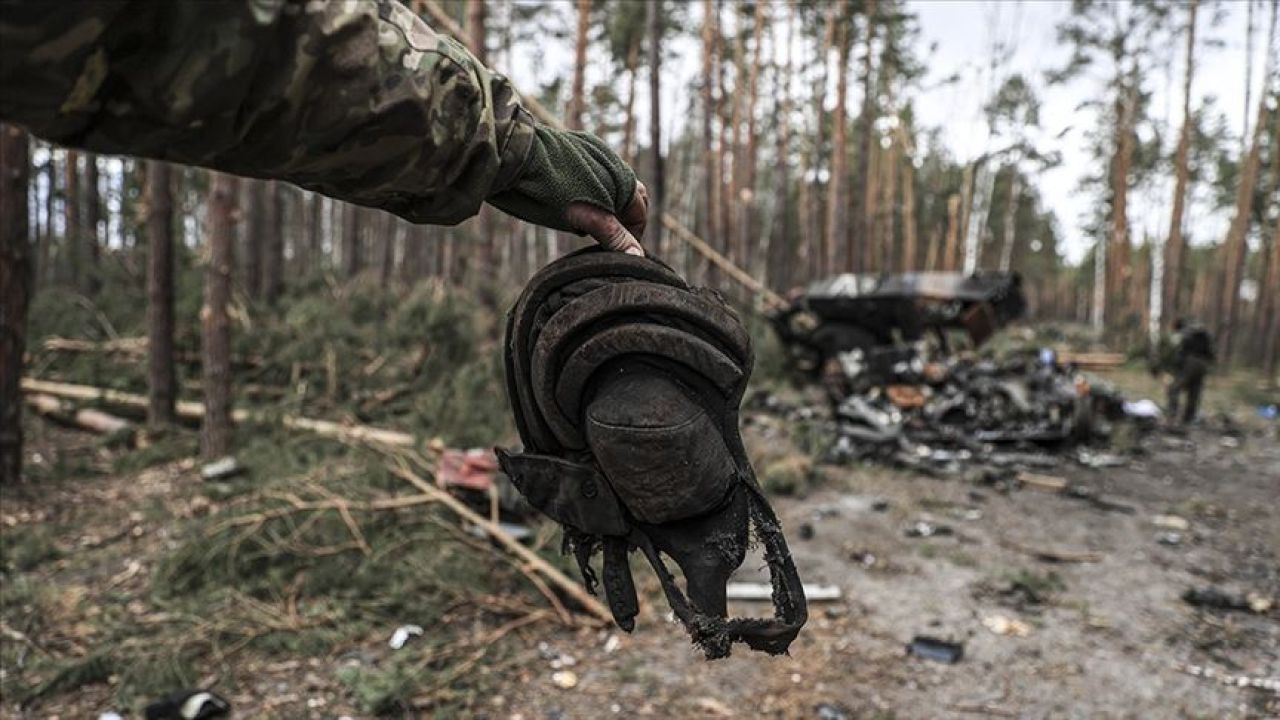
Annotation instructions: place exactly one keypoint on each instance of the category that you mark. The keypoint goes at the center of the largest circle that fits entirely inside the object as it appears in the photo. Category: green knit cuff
(562, 168)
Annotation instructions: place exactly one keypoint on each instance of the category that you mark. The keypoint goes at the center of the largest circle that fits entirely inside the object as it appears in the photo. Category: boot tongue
(662, 453)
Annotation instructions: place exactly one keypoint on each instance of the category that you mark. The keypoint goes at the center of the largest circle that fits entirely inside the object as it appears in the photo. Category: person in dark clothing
(1187, 355)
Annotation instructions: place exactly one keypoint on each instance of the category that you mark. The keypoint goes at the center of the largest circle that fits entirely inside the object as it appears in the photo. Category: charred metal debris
(901, 392)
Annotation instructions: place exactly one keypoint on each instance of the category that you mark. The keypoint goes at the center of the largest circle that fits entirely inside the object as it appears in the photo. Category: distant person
(1187, 354)
(361, 101)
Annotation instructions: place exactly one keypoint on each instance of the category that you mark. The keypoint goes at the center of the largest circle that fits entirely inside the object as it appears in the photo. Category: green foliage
(27, 547)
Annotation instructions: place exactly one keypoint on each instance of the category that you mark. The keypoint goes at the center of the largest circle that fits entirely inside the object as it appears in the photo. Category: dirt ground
(1106, 633)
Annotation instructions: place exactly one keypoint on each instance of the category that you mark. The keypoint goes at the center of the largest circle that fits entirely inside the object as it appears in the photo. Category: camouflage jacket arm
(356, 99)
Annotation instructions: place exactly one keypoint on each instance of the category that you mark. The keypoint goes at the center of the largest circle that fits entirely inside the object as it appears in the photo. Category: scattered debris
(1171, 522)
(188, 705)
(402, 635)
(930, 648)
(1210, 597)
(764, 591)
(714, 707)
(221, 469)
(1172, 539)
(1002, 625)
(110, 715)
(1271, 684)
(806, 531)
(923, 529)
(831, 711)
(565, 679)
(470, 469)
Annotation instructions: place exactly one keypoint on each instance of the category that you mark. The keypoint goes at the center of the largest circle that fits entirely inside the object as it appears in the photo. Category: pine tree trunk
(577, 96)
(1176, 245)
(1010, 218)
(1117, 256)
(629, 124)
(837, 202)
(862, 220)
(92, 218)
(1234, 248)
(352, 245)
(710, 156)
(1267, 302)
(72, 233)
(951, 254)
(161, 382)
(15, 295)
(964, 208)
(1271, 289)
(215, 433)
(910, 239)
(43, 272)
(273, 242)
(782, 247)
(657, 188)
(820, 251)
(255, 231)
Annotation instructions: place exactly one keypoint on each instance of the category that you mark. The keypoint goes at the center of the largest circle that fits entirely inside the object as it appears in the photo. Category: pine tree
(161, 382)
(15, 295)
(216, 430)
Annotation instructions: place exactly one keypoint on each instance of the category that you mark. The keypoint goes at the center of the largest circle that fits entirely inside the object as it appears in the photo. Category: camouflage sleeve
(356, 99)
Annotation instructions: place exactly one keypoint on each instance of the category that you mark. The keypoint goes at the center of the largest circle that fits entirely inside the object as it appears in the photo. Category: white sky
(961, 33)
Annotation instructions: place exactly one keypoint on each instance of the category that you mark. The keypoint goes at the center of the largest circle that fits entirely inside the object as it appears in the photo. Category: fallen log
(1091, 360)
(531, 559)
(195, 411)
(94, 421)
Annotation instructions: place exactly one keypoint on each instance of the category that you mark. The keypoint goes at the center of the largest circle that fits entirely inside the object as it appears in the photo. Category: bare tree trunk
(352, 244)
(1010, 217)
(315, 235)
(746, 192)
(577, 96)
(820, 250)
(1267, 302)
(837, 205)
(711, 229)
(782, 246)
(861, 219)
(253, 202)
(215, 433)
(92, 218)
(161, 382)
(72, 233)
(1176, 246)
(950, 255)
(910, 239)
(1270, 289)
(657, 189)
(43, 273)
(273, 242)
(629, 124)
(964, 207)
(1234, 248)
(15, 295)
(1117, 255)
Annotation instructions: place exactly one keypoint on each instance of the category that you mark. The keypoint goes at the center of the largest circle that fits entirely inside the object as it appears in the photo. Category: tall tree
(1175, 245)
(711, 170)
(837, 204)
(92, 218)
(315, 234)
(15, 294)
(657, 191)
(860, 247)
(577, 96)
(273, 241)
(910, 241)
(253, 213)
(352, 241)
(1234, 248)
(782, 248)
(215, 321)
(72, 232)
(161, 382)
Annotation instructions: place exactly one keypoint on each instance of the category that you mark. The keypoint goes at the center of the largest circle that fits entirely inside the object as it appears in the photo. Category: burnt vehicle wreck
(865, 312)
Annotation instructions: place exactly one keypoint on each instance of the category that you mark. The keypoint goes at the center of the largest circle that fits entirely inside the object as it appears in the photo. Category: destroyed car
(865, 312)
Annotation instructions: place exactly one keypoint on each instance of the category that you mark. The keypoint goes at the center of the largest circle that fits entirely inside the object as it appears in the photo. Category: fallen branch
(532, 559)
(94, 421)
(362, 434)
